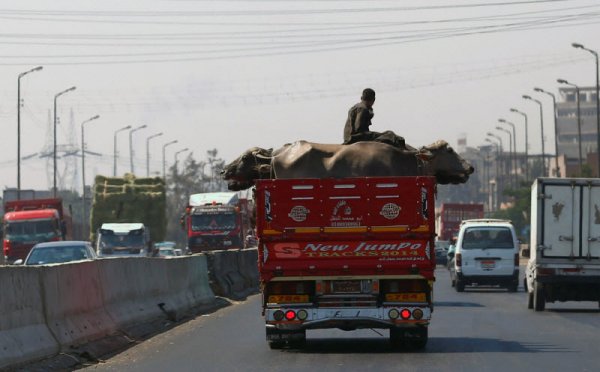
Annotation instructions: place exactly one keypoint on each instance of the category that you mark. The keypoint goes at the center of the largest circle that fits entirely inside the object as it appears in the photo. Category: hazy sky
(235, 74)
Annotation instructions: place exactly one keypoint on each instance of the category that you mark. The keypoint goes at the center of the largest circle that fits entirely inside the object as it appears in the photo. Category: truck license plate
(346, 286)
(488, 264)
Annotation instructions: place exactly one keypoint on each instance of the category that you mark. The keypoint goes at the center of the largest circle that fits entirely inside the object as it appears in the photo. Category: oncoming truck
(215, 220)
(28, 222)
(123, 239)
(346, 253)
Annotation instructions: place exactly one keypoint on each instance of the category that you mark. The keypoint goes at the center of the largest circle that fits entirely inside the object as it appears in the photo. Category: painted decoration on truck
(341, 216)
(268, 216)
(390, 211)
(389, 250)
(424, 204)
(557, 210)
(299, 213)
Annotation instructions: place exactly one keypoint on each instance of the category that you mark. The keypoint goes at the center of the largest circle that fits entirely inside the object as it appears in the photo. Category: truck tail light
(6, 247)
(278, 315)
(545, 271)
(393, 314)
(290, 315)
(458, 259)
(405, 314)
(418, 314)
(302, 315)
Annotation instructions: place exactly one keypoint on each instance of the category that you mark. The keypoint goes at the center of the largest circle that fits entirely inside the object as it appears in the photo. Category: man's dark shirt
(359, 120)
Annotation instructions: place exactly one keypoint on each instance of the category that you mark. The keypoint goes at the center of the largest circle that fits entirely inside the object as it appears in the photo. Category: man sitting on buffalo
(359, 121)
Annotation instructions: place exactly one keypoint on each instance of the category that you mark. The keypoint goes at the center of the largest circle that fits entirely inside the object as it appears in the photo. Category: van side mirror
(18, 262)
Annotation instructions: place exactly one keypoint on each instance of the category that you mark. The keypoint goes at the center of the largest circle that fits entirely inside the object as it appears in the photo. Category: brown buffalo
(361, 159)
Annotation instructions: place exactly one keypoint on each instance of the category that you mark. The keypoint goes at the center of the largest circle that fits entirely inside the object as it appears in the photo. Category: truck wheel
(530, 300)
(513, 287)
(525, 285)
(298, 340)
(276, 345)
(460, 285)
(539, 302)
(415, 339)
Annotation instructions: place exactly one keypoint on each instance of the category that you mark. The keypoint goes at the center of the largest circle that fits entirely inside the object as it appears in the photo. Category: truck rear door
(571, 219)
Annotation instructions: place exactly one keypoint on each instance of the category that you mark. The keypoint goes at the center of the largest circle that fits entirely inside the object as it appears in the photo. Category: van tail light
(458, 259)
(517, 260)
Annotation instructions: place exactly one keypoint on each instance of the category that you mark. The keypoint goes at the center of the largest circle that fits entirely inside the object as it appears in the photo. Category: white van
(487, 253)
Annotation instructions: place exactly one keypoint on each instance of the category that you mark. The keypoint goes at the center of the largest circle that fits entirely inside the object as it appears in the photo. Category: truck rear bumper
(569, 279)
(488, 279)
(349, 318)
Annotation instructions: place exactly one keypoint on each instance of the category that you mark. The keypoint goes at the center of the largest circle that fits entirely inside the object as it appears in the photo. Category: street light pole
(563, 81)
(83, 211)
(19, 127)
(514, 134)
(148, 152)
(163, 159)
(525, 96)
(176, 154)
(510, 149)
(115, 149)
(540, 90)
(131, 145)
(576, 45)
(54, 152)
(494, 200)
(526, 142)
(501, 151)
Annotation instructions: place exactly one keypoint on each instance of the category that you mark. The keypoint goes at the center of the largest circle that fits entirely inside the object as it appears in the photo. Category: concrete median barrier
(74, 302)
(24, 335)
(248, 265)
(233, 273)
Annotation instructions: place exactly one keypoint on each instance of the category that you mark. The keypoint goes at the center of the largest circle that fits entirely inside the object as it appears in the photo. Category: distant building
(567, 127)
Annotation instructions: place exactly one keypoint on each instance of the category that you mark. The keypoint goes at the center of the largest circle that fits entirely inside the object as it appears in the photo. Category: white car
(487, 253)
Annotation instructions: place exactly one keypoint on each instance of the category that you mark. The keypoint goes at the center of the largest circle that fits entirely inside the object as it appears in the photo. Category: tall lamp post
(83, 211)
(526, 142)
(148, 152)
(131, 145)
(498, 153)
(176, 154)
(115, 149)
(577, 45)
(510, 147)
(514, 134)
(19, 127)
(493, 200)
(527, 97)
(563, 81)
(540, 90)
(163, 159)
(54, 152)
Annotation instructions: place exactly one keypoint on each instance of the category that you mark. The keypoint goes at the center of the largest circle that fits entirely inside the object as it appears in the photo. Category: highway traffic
(481, 329)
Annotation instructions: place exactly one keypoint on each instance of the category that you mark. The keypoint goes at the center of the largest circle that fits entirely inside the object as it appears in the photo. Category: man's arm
(362, 121)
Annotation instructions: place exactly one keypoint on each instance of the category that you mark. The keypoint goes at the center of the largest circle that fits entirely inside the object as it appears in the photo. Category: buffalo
(304, 159)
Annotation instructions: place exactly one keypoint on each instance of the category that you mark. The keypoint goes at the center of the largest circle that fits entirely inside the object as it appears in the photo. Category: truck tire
(276, 345)
(525, 285)
(530, 300)
(513, 287)
(460, 285)
(539, 302)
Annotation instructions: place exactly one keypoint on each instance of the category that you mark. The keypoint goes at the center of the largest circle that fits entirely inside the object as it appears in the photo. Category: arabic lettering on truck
(346, 253)
(28, 222)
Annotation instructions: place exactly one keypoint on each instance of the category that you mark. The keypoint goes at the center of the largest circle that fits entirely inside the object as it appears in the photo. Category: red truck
(452, 214)
(215, 220)
(28, 222)
(346, 253)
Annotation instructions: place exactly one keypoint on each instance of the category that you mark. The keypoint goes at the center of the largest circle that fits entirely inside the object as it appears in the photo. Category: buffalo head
(253, 164)
(441, 161)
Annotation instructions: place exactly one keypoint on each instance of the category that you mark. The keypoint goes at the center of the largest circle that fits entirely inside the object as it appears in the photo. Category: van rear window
(487, 237)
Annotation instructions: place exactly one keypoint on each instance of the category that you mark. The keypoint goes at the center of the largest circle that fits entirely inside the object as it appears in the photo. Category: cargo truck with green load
(127, 215)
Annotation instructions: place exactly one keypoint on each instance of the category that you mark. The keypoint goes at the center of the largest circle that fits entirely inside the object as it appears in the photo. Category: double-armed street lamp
(131, 145)
(163, 157)
(83, 209)
(54, 152)
(514, 141)
(115, 148)
(19, 127)
(526, 141)
(540, 90)
(148, 152)
(580, 156)
(595, 54)
(527, 97)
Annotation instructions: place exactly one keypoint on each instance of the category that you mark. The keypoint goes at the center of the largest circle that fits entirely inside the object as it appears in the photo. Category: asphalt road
(478, 330)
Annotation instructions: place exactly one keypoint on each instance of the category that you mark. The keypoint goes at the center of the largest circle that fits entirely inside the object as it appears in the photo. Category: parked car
(58, 252)
(486, 253)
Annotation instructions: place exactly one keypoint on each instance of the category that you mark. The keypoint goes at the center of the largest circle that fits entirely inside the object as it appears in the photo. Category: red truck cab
(216, 220)
(28, 222)
(346, 253)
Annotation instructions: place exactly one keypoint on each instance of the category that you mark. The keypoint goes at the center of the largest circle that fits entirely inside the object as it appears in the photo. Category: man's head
(368, 97)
